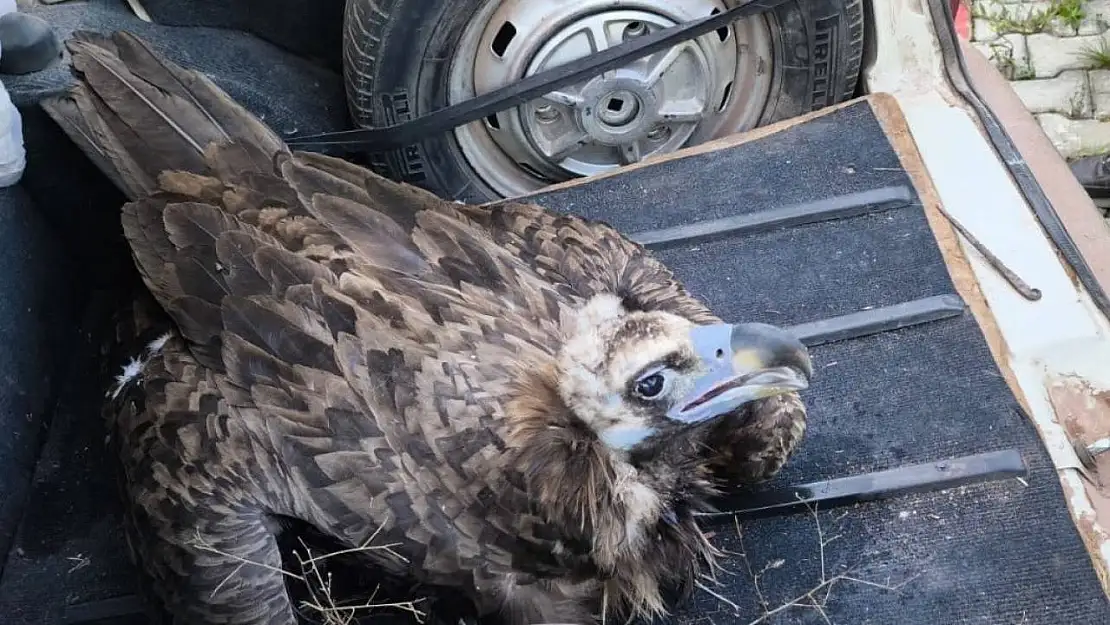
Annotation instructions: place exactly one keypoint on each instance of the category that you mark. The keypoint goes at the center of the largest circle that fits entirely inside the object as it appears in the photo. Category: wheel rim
(702, 89)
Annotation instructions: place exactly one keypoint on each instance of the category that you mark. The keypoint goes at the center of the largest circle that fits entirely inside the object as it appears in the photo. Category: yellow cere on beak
(746, 360)
(744, 363)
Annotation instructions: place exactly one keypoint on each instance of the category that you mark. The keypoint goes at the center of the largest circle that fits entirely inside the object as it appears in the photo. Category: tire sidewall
(813, 64)
(810, 44)
(414, 64)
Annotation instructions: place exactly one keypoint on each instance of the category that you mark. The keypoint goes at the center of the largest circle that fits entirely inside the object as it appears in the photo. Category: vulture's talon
(755, 447)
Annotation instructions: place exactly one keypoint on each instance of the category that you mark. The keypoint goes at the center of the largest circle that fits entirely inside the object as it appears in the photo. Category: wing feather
(290, 333)
(374, 237)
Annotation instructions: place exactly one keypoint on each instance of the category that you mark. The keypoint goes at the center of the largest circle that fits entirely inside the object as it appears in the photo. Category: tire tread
(854, 20)
(364, 26)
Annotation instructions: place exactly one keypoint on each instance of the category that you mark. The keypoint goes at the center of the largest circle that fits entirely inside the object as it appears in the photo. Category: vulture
(521, 406)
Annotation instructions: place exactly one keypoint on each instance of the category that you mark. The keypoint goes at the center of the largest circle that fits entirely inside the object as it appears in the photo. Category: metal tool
(1021, 286)
(1087, 453)
(916, 478)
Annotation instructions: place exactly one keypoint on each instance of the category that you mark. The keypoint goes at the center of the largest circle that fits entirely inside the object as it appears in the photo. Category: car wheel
(406, 58)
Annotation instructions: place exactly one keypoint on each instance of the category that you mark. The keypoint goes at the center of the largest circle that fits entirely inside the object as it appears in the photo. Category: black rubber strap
(103, 611)
(527, 89)
(825, 209)
(877, 320)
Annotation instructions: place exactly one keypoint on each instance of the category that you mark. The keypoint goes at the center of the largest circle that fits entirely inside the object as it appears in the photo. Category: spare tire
(406, 58)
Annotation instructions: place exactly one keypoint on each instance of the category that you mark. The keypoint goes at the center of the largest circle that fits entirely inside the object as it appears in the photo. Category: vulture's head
(633, 376)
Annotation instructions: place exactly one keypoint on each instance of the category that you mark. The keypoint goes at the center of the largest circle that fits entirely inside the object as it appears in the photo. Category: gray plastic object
(28, 42)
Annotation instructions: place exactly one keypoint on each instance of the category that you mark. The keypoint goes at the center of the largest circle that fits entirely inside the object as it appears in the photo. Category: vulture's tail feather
(136, 114)
(201, 172)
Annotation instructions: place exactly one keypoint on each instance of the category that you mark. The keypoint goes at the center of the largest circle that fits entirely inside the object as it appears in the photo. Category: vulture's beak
(745, 362)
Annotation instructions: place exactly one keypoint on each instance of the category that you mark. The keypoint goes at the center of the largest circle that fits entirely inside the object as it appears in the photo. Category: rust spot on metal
(1082, 410)
(1084, 413)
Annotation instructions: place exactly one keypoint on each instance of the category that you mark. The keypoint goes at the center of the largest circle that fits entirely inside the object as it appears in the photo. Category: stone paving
(1057, 55)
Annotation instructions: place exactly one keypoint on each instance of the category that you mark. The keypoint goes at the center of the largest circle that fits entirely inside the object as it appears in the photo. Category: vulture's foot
(752, 446)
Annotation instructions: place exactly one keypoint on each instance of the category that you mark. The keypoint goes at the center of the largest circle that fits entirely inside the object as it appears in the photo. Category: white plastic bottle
(13, 156)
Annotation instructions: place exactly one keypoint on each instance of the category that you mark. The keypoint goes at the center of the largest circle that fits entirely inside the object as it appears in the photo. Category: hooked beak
(745, 362)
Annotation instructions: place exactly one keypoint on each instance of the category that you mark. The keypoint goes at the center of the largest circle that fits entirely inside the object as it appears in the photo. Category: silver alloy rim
(700, 90)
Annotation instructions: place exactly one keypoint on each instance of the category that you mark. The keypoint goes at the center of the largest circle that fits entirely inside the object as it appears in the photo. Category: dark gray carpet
(33, 307)
(307, 28)
(995, 553)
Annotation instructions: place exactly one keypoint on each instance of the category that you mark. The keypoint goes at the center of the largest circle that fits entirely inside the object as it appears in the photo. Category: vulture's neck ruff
(609, 436)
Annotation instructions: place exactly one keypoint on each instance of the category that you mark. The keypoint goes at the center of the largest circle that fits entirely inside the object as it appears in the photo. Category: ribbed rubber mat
(1002, 552)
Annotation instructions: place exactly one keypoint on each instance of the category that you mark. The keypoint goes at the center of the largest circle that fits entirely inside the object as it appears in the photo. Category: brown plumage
(528, 406)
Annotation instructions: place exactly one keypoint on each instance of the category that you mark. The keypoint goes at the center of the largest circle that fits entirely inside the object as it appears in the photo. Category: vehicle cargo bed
(814, 219)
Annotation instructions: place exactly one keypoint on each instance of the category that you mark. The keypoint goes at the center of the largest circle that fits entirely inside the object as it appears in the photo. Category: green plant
(1002, 55)
(1071, 13)
(1032, 20)
(1097, 56)
(1025, 71)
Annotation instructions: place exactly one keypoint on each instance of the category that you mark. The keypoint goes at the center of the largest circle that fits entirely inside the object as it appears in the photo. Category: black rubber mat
(823, 223)
(253, 70)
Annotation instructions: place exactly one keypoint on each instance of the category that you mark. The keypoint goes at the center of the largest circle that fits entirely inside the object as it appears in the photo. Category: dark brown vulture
(527, 406)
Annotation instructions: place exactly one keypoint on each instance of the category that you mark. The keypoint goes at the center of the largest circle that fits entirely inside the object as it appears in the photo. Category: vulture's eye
(650, 386)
